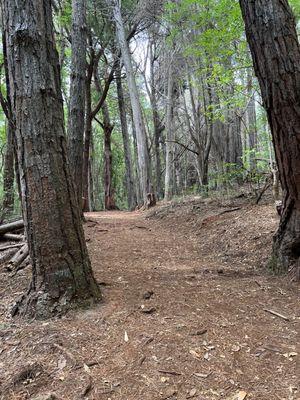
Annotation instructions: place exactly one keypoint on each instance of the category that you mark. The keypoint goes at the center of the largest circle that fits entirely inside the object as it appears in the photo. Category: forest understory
(187, 313)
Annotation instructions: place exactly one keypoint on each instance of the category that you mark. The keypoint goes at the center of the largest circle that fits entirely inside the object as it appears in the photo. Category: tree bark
(8, 167)
(272, 37)
(61, 271)
(77, 94)
(143, 154)
(129, 179)
(169, 137)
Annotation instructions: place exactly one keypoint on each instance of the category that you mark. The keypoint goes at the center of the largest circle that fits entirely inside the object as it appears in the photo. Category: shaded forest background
(205, 125)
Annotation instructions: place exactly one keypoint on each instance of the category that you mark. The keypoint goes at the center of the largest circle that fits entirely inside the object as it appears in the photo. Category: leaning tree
(61, 271)
(272, 37)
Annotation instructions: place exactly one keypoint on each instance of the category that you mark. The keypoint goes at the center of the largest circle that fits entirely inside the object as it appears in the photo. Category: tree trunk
(131, 194)
(8, 167)
(143, 154)
(77, 94)
(109, 200)
(61, 271)
(8, 173)
(252, 128)
(87, 139)
(275, 49)
(169, 137)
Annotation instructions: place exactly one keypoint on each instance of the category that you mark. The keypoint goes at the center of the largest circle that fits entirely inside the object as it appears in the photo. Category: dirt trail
(200, 333)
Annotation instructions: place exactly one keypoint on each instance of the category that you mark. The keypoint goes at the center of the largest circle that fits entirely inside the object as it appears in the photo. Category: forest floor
(185, 294)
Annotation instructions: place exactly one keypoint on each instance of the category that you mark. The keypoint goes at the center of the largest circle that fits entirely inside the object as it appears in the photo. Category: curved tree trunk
(273, 41)
(61, 271)
(77, 94)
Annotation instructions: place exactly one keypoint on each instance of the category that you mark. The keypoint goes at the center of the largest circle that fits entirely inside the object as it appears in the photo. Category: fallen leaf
(194, 353)
(192, 393)
(164, 379)
(126, 338)
(86, 368)
(241, 395)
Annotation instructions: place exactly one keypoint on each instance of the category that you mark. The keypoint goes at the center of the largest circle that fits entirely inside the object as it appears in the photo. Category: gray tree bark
(77, 94)
(169, 137)
(143, 155)
(61, 271)
(131, 194)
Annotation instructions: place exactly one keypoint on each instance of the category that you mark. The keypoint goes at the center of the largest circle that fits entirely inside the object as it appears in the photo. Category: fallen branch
(276, 314)
(12, 237)
(7, 255)
(169, 372)
(11, 246)
(11, 226)
(18, 258)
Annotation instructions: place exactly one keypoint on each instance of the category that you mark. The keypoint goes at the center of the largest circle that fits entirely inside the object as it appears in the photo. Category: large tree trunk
(143, 154)
(272, 37)
(77, 94)
(131, 194)
(61, 271)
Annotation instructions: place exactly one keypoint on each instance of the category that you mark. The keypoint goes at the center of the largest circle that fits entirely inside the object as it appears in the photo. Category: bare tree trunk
(169, 137)
(252, 128)
(61, 271)
(275, 49)
(143, 155)
(8, 168)
(131, 194)
(109, 200)
(77, 94)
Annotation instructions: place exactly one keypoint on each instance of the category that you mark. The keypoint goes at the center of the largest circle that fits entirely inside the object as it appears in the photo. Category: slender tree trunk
(61, 271)
(169, 137)
(87, 138)
(131, 194)
(275, 49)
(77, 94)
(143, 155)
(10, 151)
(109, 191)
(252, 128)
(8, 173)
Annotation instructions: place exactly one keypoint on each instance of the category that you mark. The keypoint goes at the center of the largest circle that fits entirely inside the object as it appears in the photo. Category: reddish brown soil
(206, 335)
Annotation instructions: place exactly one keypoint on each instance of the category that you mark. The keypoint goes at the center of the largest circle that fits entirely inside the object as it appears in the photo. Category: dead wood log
(7, 255)
(11, 226)
(18, 258)
(11, 246)
(12, 237)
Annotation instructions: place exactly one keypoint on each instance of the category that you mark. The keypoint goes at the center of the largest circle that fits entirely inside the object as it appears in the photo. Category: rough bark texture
(77, 94)
(143, 155)
(61, 270)
(131, 194)
(272, 37)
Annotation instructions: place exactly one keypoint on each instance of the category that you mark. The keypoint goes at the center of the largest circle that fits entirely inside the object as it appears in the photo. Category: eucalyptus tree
(61, 271)
(140, 130)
